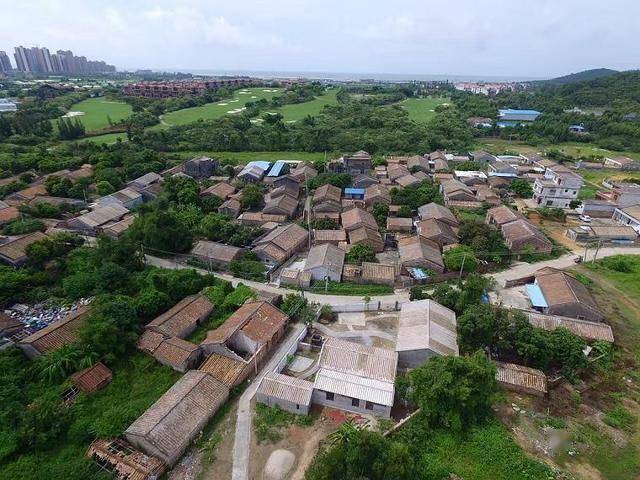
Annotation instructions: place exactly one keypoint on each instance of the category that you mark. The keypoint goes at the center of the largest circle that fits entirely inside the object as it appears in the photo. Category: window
(369, 406)
(549, 202)
(329, 395)
(355, 402)
(297, 406)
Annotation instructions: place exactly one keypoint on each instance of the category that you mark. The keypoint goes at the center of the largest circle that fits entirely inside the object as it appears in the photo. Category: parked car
(585, 218)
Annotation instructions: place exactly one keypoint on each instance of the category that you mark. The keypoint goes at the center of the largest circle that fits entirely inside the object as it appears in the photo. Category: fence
(366, 307)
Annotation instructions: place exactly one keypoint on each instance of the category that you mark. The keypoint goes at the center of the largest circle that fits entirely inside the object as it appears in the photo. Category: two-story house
(557, 188)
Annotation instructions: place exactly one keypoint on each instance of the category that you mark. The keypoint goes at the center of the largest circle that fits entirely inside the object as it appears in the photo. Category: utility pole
(586, 246)
(326, 283)
(464, 257)
(596, 252)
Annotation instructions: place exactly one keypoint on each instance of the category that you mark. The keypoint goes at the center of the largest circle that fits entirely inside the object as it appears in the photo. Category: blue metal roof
(536, 296)
(276, 170)
(417, 273)
(354, 191)
(512, 111)
(263, 164)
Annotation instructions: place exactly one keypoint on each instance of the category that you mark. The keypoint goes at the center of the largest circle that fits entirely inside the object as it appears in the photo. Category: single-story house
(437, 212)
(623, 163)
(326, 193)
(289, 393)
(146, 180)
(177, 354)
(334, 237)
(454, 190)
(254, 171)
(260, 218)
(603, 233)
(281, 243)
(167, 428)
(408, 181)
(8, 214)
(229, 371)
(521, 379)
(364, 181)
(296, 278)
(628, 216)
(367, 236)
(420, 252)
(355, 378)
(399, 224)
(26, 195)
(92, 379)
(438, 232)
(418, 163)
(520, 235)
(183, 318)
(304, 171)
(55, 335)
(14, 252)
(378, 273)
(92, 222)
(218, 254)
(282, 205)
(426, 329)
(396, 171)
(376, 194)
(597, 208)
(501, 215)
(555, 292)
(114, 230)
(231, 208)
(357, 218)
(127, 198)
(222, 190)
(9, 325)
(325, 261)
(582, 328)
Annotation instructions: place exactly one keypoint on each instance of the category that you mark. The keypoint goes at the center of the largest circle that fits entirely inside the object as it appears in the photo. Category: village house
(628, 216)
(115, 230)
(454, 190)
(557, 189)
(437, 212)
(127, 198)
(231, 208)
(623, 163)
(9, 326)
(555, 292)
(395, 172)
(425, 329)
(295, 278)
(183, 318)
(419, 252)
(597, 208)
(200, 167)
(378, 273)
(480, 156)
(359, 162)
(92, 223)
(288, 393)
(283, 205)
(501, 215)
(363, 181)
(304, 172)
(502, 169)
(408, 181)
(287, 181)
(260, 218)
(55, 335)
(246, 337)
(217, 254)
(399, 224)
(355, 378)
(438, 232)
(14, 252)
(366, 236)
(254, 171)
(145, 181)
(376, 194)
(623, 194)
(21, 197)
(325, 262)
(8, 214)
(470, 177)
(177, 354)
(418, 163)
(167, 428)
(222, 190)
(93, 378)
(521, 236)
(357, 218)
(602, 233)
(334, 237)
(280, 244)
(583, 328)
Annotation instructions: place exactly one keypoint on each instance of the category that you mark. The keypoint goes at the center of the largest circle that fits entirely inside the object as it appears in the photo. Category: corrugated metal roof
(276, 170)
(284, 387)
(582, 328)
(426, 324)
(536, 296)
(349, 357)
(354, 386)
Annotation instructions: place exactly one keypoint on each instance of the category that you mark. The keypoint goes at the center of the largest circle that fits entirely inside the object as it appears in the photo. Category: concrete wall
(344, 403)
(283, 404)
(239, 341)
(319, 273)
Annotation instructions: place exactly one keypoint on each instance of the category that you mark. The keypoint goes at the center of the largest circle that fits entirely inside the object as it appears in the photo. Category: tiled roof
(216, 251)
(284, 387)
(326, 255)
(183, 317)
(357, 217)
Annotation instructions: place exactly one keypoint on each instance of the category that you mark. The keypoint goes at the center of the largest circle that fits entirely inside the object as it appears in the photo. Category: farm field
(499, 146)
(216, 109)
(297, 111)
(422, 109)
(97, 112)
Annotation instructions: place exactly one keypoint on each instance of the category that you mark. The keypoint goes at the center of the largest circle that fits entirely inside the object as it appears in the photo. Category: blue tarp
(536, 296)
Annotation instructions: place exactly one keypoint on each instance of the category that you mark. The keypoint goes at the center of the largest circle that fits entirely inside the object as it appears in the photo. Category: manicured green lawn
(297, 111)
(216, 109)
(97, 111)
(108, 138)
(422, 109)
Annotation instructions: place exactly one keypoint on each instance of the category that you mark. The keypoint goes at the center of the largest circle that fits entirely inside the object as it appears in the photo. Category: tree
(521, 188)
(251, 196)
(454, 392)
(380, 213)
(324, 224)
(161, 229)
(461, 257)
(360, 253)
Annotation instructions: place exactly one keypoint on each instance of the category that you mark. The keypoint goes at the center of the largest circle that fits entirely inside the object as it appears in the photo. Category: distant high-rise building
(40, 60)
(5, 63)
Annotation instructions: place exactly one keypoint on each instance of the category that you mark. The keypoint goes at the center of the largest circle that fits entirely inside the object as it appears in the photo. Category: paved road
(333, 300)
(242, 441)
(519, 270)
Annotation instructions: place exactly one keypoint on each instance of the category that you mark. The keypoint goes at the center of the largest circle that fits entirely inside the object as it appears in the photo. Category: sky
(536, 39)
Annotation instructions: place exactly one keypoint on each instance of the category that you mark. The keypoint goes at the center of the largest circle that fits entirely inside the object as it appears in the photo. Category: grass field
(108, 138)
(217, 109)
(97, 112)
(498, 146)
(422, 109)
(242, 158)
(297, 111)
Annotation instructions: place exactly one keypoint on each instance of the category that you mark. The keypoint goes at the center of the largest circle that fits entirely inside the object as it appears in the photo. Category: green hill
(581, 76)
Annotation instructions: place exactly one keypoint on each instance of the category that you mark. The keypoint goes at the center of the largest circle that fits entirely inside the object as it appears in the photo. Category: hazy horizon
(463, 39)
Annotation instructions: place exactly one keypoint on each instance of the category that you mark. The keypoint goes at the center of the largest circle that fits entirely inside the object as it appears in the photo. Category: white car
(585, 218)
